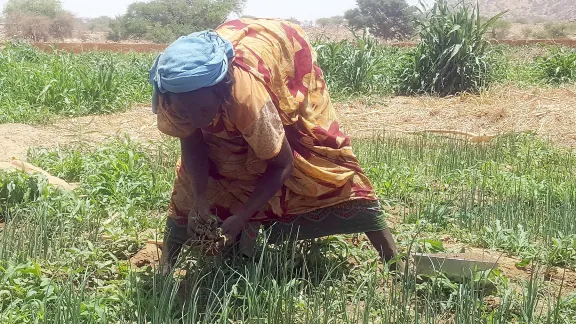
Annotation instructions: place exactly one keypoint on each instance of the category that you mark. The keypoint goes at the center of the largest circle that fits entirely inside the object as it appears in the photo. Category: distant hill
(539, 10)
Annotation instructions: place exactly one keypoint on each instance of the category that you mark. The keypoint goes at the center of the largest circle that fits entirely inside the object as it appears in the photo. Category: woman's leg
(384, 243)
(174, 237)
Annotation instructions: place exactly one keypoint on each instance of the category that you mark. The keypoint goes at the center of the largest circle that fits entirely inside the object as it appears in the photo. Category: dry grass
(547, 112)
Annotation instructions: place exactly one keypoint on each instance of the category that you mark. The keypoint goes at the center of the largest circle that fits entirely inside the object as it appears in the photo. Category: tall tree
(165, 20)
(386, 18)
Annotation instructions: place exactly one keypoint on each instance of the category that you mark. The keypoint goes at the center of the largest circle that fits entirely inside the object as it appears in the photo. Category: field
(491, 173)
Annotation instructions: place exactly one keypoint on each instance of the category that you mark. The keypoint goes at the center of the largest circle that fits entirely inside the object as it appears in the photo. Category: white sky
(299, 9)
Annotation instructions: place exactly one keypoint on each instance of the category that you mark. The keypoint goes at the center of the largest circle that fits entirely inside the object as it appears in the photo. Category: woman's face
(199, 107)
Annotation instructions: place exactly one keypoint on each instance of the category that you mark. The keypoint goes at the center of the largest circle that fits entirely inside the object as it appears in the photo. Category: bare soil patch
(149, 255)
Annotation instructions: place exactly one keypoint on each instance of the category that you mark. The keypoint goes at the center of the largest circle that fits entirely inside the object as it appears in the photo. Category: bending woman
(260, 143)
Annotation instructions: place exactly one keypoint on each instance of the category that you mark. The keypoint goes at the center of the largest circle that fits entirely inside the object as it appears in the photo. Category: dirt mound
(149, 255)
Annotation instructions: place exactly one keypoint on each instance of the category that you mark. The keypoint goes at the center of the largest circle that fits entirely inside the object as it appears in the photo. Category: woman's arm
(195, 161)
(277, 172)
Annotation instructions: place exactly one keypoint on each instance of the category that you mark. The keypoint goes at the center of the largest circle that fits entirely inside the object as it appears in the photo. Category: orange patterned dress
(279, 92)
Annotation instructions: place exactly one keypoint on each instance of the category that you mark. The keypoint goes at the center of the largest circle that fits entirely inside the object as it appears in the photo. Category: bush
(560, 67)
(452, 56)
(38, 20)
(556, 30)
(28, 26)
(527, 32)
(331, 21)
(500, 29)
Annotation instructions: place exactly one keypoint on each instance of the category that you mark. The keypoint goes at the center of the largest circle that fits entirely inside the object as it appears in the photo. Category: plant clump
(207, 234)
(453, 56)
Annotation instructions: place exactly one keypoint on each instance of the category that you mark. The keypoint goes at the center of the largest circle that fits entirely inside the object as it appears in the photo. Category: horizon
(302, 10)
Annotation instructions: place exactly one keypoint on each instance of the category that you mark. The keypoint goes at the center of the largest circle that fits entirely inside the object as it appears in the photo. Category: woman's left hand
(234, 225)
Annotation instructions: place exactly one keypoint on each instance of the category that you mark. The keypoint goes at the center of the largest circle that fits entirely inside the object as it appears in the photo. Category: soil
(553, 277)
(480, 257)
(149, 255)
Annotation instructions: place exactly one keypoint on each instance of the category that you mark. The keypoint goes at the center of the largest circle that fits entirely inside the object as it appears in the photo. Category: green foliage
(38, 19)
(357, 67)
(119, 174)
(559, 67)
(452, 56)
(390, 19)
(100, 24)
(17, 188)
(56, 268)
(48, 8)
(162, 21)
(37, 84)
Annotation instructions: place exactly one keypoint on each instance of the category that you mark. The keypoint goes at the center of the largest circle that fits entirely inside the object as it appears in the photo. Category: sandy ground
(547, 112)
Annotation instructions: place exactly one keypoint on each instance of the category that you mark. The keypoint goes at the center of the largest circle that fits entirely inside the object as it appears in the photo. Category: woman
(260, 143)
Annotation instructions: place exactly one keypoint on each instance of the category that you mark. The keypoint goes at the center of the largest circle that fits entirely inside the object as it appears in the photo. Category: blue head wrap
(196, 61)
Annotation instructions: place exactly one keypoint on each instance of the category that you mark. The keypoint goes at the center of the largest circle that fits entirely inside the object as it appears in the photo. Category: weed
(559, 67)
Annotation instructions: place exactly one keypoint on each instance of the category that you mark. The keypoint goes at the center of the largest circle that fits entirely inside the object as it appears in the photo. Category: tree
(162, 21)
(100, 24)
(46, 8)
(38, 20)
(385, 18)
(330, 21)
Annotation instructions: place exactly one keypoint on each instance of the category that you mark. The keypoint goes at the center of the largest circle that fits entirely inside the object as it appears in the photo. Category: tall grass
(452, 56)
(358, 67)
(512, 193)
(36, 85)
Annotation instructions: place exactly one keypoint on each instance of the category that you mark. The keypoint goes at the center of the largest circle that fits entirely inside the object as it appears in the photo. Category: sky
(299, 9)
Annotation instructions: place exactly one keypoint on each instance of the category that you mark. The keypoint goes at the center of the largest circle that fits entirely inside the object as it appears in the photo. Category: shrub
(452, 56)
(527, 32)
(28, 26)
(560, 67)
(38, 20)
(556, 30)
(500, 29)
